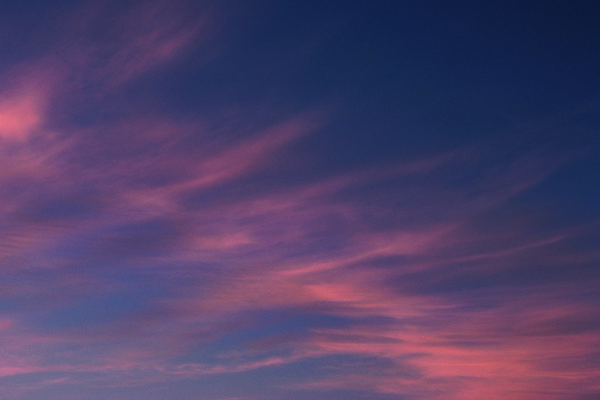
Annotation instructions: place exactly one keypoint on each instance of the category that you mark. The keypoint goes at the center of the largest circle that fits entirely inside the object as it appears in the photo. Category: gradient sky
(304, 200)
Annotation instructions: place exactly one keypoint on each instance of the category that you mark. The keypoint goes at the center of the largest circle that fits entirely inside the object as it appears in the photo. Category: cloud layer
(229, 253)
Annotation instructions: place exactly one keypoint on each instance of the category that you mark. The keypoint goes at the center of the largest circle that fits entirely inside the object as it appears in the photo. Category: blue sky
(256, 200)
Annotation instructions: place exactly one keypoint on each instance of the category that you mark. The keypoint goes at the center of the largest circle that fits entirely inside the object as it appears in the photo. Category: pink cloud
(141, 37)
(24, 99)
(20, 115)
(271, 251)
(242, 158)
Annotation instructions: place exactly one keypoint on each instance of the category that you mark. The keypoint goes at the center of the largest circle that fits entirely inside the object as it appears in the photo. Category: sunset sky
(302, 199)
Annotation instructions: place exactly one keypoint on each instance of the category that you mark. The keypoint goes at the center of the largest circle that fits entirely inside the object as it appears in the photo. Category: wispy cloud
(143, 248)
(141, 37)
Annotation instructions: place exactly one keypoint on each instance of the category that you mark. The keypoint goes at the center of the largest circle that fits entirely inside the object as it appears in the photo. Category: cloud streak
(147, 249)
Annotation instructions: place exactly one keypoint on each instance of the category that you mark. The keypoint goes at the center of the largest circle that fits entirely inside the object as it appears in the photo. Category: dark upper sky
(257, 200)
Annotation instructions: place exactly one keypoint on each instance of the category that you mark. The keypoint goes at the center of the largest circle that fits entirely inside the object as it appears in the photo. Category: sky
(304, 200)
